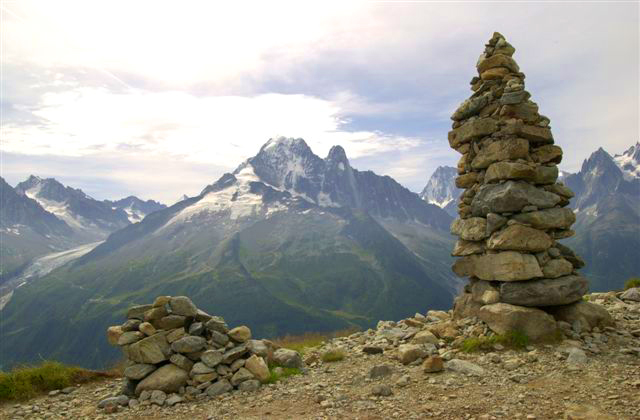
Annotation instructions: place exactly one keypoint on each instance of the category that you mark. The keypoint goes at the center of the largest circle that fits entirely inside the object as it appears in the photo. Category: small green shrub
(24, 382)
(512, 339)
(275, 376)
(632, 282)
(333, 356)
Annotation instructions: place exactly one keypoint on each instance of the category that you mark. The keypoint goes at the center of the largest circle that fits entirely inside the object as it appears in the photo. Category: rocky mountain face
(441, 189)
(27, 230)
(607, 207)
(90, 219)
(135, 208)
(298, 242)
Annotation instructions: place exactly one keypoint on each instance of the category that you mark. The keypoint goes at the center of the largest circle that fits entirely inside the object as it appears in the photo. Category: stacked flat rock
(172, 347)
(513, 211)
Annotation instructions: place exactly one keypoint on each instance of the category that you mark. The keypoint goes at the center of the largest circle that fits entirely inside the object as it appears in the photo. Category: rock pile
(513, 211)
(174, 351)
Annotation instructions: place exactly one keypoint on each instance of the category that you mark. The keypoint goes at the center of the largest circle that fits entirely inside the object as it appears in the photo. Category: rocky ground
(587, 375)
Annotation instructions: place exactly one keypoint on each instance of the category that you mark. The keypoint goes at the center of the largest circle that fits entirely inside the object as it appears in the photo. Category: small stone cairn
(513, 211)
(175, 351)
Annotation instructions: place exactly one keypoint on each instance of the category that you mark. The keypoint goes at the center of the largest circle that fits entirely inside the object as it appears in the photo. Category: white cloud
(221, 130)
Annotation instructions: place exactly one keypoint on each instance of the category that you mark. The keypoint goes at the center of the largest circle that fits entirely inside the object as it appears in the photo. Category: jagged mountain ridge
(26, 231)
(135, 208)
(296, 238)
(607, 205)
(441, 189)
(629, 161)
(90, 219)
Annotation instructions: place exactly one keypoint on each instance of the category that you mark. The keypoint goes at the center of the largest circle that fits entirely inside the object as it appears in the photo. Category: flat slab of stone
(544, 292)
(501, 150)
(502, 266)
(557, 218)
(503, 318)
(168, 378)
(154, 349)
(471, 130)
(471, 229)
(520, 238)
(589, 314)
(510, 197)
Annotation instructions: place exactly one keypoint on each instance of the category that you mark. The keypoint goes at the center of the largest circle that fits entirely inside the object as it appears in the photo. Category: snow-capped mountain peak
(629, 161)
(441, 189)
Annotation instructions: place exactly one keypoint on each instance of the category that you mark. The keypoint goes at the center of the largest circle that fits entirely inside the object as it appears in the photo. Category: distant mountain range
(42, 216)
(288, 242)
(607, 206)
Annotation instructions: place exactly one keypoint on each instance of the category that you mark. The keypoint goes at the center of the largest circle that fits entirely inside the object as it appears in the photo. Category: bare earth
(537, 383)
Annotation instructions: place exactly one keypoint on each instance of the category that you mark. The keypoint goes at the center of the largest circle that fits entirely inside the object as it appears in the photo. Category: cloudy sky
(158, 99)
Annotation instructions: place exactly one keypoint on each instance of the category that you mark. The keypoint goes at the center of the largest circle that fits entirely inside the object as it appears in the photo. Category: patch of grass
(512, 339)
(277, 373)
(307, 340)
(333, 356)
(24, 382)
(632, 282)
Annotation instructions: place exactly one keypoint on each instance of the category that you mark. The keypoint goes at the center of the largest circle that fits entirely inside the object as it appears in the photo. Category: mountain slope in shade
(26, 231)
(90, 219)
(441, 189)
(607, 205)
(135, 208)
(288, 242)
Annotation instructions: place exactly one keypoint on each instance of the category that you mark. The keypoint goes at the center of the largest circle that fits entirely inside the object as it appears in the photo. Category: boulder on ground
(589, 314)
(288, 358)
(168, 378)
(503, 318)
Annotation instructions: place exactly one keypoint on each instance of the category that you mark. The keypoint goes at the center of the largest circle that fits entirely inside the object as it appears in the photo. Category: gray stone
(152, 350)
(137, 312)
(182, 305)
(408, 353)
(501, 266)
(544, 292)
(485, 293)
(509, 197)
(503, 318)
(465, 367)
(471, 130)
(158, 397)
(240, 376)
(217, 323)
(250, 385)
(174, 399)
(131, 325)
(219, 388)
(519, 238)
(631, 294)
(170, 322)
(230, 355)
(176, 334)
(212, 357)
(181, 361)
(464, 306)
(471, 229)
(197, 328)
(495, 222)
(371, 349)
(258, 347)
(557, 267)
(510, 170)
(425, 337)
(500, 150)
(139, 371)
(258, 367)
(168, 378)
(463, 248)
(557, 218)
(121, 400)
(381, 390)
(200, 368)
(188, 344)
(219, 338)
(288, 358)
(380, 371)
(589, 314)
(130, 337)
(470, 107)
(546, 175)
(576, 357)
(547, 153)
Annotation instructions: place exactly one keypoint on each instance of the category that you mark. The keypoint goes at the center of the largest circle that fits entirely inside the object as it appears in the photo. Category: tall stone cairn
(513, 211)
